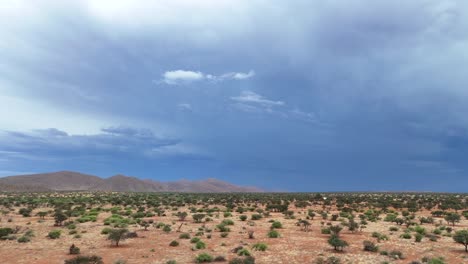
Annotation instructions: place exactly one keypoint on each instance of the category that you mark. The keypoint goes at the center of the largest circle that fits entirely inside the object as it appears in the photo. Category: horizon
(298, 96)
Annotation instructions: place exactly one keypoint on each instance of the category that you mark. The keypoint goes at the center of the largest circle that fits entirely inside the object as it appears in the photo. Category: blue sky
(285, 95)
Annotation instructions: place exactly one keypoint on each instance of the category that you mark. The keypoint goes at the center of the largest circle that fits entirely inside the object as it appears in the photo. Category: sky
(356, 95)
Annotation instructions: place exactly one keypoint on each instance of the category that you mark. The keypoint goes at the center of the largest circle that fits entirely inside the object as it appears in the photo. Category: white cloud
(185, 107)
(181, 76)
(249, 97)
(184, 77)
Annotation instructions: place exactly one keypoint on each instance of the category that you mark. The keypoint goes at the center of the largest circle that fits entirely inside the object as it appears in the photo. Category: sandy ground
(152, 246)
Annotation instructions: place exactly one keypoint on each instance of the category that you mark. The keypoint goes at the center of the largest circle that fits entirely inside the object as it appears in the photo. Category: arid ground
(295, 245)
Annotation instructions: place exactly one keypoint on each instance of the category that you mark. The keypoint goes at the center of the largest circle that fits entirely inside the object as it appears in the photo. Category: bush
(224, 234)
(184, 236)
(256, 217)
(85, 260)
(273, 234)
(418, 237)
(174, 243)
(23, 239)
(219, 259)
(106, 230)
(243, 217)
(260, 247)
(203, 258)
(406, 235)
(370, 246)
(54, 234)
(194, 240)
(167, 228)
(74, 250)
(243, 252)
(276, 224)
(200, 245)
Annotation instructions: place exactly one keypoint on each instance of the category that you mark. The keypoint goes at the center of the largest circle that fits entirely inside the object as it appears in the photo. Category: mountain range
(75, 181)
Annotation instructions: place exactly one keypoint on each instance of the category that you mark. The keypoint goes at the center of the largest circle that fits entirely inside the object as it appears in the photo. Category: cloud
(181, 76)
(56, 144)
(185, 77)
(185, 107)
(252, 98)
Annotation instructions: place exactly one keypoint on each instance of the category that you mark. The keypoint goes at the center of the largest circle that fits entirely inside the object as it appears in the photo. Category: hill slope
(74, 181)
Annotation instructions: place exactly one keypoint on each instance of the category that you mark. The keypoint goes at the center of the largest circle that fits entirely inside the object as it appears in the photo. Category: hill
(75, 181)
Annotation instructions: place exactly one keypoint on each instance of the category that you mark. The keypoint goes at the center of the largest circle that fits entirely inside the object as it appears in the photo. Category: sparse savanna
(130, 227)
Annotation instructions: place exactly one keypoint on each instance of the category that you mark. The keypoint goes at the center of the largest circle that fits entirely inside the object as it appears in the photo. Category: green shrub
(54, 234)
(243, 217)
(23, 239)
(243, 252)
(370, 246)
(276, 224)
(85, 260)
(184, 236)
(174, 243)
(260, 247)
(200, 245)
(203, 258)
(273, 234)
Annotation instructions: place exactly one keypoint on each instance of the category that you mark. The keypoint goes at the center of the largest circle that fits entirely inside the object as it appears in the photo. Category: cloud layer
(341, 96)
(186, 77)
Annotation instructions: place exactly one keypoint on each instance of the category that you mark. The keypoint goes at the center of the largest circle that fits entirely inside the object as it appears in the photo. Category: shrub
(243, 217)
(219, 259)
(174, 243)
(167, 228)
(184, 236)
(23, 239)
(276, 224)
(203, 258)
(256, 217)
(224, 234)
(260, 247)
(74, 250)
(406, 235)
(54, 234)
(325, 231)
(194, 240)
(5, 231)
(418, 237)
(106, 230)
(200, 245)
(273, 234)
(243, 252)
(85, 260)
(370, 246)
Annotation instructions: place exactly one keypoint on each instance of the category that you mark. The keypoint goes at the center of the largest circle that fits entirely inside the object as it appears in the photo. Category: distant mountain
(74, 181)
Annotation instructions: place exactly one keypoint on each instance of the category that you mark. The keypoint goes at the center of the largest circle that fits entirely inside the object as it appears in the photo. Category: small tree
(337, 243)
(335, 230)
(461, 237)
(182, 215)
(117, 235)
(198, 217)
(452, 218)
(59, 217)
(42, 214)
(144, 224)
